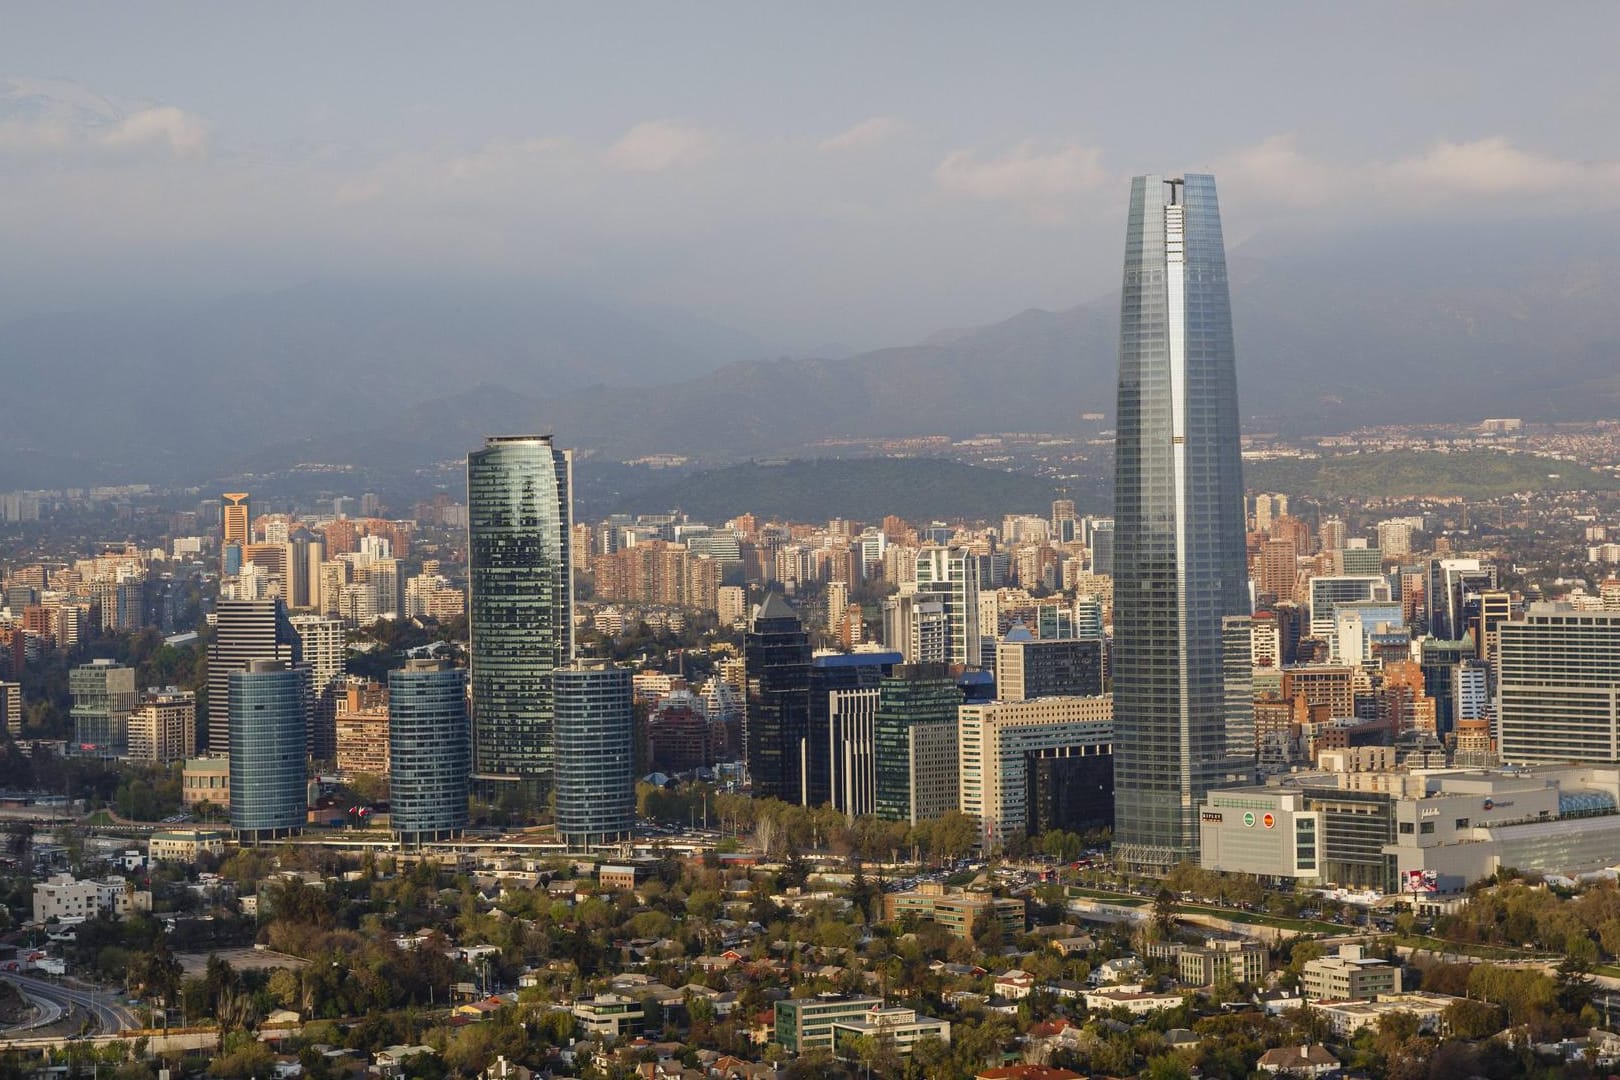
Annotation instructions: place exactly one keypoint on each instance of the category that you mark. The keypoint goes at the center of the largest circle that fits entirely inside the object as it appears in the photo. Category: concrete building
(1349, 976)
(1029, 667)
(807, 1023)
(952, 574)
(163, 727)
(1558, 690)
(1216, 961)
(185, 845)
(323, 646)
(851, 750)
(915, 625)
(206, 780)
(893, 1025)
(11, 699)
(1000, 743)
(610, 1016)
(957, 910)
(361, 726)
(1345, 1018)
(1388, 830)
(65, 899)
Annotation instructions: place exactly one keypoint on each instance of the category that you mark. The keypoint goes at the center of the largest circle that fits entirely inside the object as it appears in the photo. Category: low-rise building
(1345, 1018)
(206, 780)
(1349, 976)
(1133, 1000)
(610, 1015)
(185, 845)
(1216, 961)
(901, 1027)
(67, 899)
(957, 910)
(806, 1023)
(1311, 1060)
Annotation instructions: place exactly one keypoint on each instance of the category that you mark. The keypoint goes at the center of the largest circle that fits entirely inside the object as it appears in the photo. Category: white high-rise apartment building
(1558, 690)
(994, 742)
(953, 574)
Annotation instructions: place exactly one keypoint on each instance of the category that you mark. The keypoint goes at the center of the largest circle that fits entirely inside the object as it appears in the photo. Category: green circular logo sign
(1248, 819)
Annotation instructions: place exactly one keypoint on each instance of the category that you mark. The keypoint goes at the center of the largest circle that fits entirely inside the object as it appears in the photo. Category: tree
(1470, 1019)
(952, 835)
(1164, 912)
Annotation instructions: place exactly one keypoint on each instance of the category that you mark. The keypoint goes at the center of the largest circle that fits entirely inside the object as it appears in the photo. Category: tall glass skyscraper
(519, 518)
(429, 751)
(1179, 560)
(244, 631)
(596, 779)
(776, 660)
(269, 728)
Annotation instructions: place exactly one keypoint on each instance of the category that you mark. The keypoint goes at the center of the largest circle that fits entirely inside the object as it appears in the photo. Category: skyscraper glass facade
(429, 751)
(776, 659)
(269, 703)
(914, 743)
(596, 782)
(244, 631)
(103, 697)
(1178, 517)
(519, 519)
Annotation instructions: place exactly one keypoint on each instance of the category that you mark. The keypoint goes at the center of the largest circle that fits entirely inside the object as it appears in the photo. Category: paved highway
(49, 1013)
(109, 1012)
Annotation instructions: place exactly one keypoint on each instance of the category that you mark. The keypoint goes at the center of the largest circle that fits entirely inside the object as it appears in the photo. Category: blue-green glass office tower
(269, 716)
(596, 780)
(519, 515)
(1179, 561)
(776, 661)
(429, 751)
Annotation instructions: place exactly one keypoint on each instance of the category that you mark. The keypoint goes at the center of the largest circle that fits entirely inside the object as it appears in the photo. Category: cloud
(184, 134)
(1491, 167)
(46, 117)
(865, 135)
(1039, 180)
(657, 145)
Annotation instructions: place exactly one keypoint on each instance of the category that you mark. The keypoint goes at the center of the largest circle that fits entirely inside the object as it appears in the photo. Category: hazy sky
(864, 173)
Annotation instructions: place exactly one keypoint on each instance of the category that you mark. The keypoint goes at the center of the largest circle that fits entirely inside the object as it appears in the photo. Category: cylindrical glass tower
(519, 517)
(596, 783)
(429, 751)
(269, 732)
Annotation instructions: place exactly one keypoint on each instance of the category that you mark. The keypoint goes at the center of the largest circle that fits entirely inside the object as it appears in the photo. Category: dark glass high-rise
(776, 660)
(519, 612)
(1179, 560)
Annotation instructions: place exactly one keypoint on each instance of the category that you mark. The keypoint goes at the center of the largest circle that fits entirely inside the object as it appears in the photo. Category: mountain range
(1441, 324)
